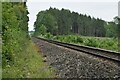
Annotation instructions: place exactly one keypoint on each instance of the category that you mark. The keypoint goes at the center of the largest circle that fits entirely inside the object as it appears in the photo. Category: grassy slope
(29, 65)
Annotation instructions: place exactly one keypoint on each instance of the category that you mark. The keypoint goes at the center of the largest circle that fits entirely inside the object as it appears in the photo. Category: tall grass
(98, 42)
(29, 64)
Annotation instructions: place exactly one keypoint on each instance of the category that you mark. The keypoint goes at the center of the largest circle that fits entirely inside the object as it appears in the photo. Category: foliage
(71, 26)
(20, 58)
(48, 36)
(98, 42)
(29, 64)
(91, 42)
(48, 21)
(111, 28)
(14, 33)
(65, 22)
(42, 29)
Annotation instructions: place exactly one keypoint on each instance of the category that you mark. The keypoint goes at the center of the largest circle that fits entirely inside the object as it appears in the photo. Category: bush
(91, 42)
(106, 43)
(79, 39)
(48, 36)
(14, 31)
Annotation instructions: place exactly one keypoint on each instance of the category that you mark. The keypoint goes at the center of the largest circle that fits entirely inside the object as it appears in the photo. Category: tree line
(64, 22)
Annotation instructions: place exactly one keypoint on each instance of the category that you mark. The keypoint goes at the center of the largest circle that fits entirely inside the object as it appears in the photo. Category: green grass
(98, 42)
(28, 64)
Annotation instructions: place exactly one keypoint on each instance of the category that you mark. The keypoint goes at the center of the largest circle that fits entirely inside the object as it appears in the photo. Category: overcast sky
(105, 10)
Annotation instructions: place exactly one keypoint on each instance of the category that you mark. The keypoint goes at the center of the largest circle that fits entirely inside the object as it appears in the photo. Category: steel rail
(111, 55)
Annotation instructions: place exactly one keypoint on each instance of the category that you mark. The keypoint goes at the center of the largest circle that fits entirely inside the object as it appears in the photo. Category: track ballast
(106, 54)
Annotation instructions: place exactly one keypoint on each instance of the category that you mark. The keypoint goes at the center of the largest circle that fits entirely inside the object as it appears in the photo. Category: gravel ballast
(73, 64)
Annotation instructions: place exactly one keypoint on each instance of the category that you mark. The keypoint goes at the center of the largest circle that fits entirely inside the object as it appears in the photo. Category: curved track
(106, 54)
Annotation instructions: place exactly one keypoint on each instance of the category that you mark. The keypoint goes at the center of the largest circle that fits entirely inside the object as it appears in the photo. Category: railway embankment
(74, 64)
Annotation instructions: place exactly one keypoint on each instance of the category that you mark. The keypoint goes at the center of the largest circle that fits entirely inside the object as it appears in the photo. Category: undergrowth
(29, 64)
(98, 42)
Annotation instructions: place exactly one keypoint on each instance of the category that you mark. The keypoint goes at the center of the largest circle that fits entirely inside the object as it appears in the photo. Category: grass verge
(28, 64)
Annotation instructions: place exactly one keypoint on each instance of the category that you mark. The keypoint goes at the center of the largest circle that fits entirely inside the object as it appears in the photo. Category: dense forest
(64, 22)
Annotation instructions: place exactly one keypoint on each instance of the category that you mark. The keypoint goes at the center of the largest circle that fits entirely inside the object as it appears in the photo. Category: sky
(103, 9)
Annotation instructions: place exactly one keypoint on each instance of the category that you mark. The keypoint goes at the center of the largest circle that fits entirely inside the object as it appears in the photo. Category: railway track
(106, 54)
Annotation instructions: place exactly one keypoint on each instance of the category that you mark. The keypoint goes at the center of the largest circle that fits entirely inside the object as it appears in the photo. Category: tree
(42, 29)
(63, 22)
(111, 28)
(48, 21)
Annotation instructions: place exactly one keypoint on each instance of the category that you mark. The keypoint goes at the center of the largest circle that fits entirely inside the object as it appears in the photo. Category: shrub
(48, 36)
(91, 42)
(106, 43)
(79, 39)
